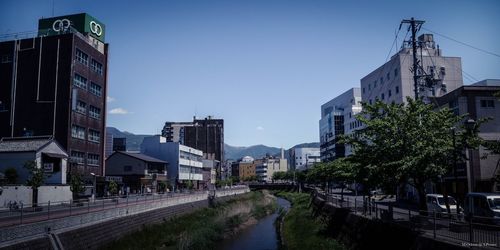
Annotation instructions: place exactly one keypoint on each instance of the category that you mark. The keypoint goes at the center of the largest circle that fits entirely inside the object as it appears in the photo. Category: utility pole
(415, 25)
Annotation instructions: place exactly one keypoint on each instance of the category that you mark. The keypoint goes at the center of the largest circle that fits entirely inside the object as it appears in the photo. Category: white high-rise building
(393, 81)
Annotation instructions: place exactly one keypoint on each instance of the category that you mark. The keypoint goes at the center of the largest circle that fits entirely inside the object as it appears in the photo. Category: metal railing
(462, 230)
(19, 213)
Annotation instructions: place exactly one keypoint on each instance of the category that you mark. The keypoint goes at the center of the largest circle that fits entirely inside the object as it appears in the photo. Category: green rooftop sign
(83, 23)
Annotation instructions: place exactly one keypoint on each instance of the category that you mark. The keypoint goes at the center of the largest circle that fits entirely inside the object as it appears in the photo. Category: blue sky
(263, 66)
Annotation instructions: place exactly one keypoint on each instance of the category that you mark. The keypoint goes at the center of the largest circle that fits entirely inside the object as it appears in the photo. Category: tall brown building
(206, 135)
(54, 84)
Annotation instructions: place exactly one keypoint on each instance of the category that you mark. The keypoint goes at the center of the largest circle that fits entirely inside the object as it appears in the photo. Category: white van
(484, 206)
(436, 203)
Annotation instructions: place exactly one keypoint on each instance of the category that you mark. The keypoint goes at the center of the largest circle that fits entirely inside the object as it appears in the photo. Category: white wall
(15, 193)
(54, 194)
(23, 194)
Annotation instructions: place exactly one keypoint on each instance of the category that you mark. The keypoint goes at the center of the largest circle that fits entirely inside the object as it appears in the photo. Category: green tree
(35, 180)
(405, 143)
(113, 187)
(11, 175)
(76, 184)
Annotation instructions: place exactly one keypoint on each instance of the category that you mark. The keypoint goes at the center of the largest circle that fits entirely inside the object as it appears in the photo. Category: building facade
(477, 101)
(184, 163)
(338, 117)
(45, 152)
(393, 81)
(206, 135)
(54, 84)
(266, 167)
(119, 144)
(303, 158)
(137, 171)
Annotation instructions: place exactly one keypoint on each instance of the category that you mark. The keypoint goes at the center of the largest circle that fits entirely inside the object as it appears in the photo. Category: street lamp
(93, 186)
(469, 126)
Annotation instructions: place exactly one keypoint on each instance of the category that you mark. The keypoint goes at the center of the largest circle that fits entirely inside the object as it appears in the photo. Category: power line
(465, 44)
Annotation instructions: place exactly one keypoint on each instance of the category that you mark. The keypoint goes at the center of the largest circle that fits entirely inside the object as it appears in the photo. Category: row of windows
(355, 124)
(192, 170)
(83, 58)
(79, 133)
(94, 112)
(79, 157)
(81, 82)
(388, 77)
(382, 96)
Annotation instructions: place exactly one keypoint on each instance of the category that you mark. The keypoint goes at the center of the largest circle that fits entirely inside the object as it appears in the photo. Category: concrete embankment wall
(96, 235)
(357, 232)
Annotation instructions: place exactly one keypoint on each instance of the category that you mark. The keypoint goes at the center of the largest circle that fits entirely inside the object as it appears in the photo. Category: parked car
(484, 207)
(436, 203)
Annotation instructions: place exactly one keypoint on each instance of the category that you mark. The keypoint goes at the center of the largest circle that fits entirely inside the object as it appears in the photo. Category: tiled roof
(23, 145)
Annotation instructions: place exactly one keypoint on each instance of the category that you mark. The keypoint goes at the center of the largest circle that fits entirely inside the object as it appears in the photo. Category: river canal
(261, 236)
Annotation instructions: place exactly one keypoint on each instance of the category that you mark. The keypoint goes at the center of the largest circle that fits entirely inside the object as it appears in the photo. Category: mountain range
(231, 152)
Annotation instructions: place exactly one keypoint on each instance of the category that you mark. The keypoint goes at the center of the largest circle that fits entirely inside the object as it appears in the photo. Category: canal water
(261, 236)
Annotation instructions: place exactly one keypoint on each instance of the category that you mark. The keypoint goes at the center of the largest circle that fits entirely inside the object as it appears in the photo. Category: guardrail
(20, 214)
(469, 231)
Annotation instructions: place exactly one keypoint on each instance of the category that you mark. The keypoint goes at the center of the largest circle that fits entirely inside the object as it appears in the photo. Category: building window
(127, 168)
(94, 112)
(397, 89)
(383, 96)
(395, 72)
(364, 90)
(81, 107)
(369, 87)
(95, 89)
(6, 58)
(80, 81)
(96, 66)
(94, 135)
(381, 80)
(82, 57)
(370, 101)
(78, 157)
(388, 77)
(374, 84)
(93, 159)
(487, 104)
(389, 93)
(78, 132)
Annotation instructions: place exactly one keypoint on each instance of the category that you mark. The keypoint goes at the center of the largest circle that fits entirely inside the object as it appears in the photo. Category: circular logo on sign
(61, 25)
(95, 28)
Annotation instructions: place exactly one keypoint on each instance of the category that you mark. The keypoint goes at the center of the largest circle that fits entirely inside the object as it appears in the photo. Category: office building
(338, 117)
(476, 101)
(206, 135)
(108, 148)
(303, 158)
(393, 81)
(54, 84)
(266, 167)
(184, 163)
(119, 144)
(244, 169)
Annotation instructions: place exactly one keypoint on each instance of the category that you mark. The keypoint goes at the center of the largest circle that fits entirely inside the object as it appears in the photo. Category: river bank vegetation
(201, 229)
(302, 230)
